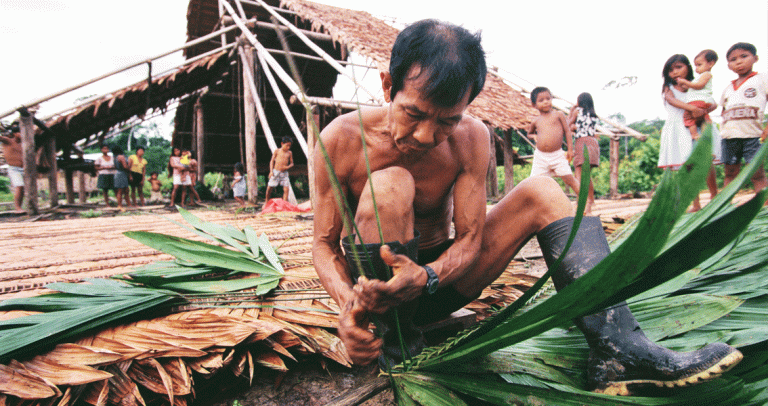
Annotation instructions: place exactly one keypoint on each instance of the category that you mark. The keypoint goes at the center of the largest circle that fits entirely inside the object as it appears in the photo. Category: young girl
(238, 184)
(121, 178)
(583, 120)
(676, 140)
(176, 169)
(105, 164)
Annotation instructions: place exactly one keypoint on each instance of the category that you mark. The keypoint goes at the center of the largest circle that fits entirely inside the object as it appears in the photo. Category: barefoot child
(282, 160)
(154, 182)
(743, 104)
(700, 90)
(547, 131)
(583, 120)
(238, 184)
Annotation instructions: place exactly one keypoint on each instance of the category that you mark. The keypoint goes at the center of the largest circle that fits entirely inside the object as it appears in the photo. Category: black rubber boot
(413, 338)
(621, 358)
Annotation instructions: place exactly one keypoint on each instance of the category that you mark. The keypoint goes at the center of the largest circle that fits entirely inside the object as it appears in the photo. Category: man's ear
(386, 85)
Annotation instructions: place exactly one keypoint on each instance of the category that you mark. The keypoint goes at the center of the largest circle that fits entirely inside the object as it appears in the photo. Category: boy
(282, 160)
(138, 167)
(700, 94)
(155, 196)
(743, 104)
(188, 156)
(547, 131)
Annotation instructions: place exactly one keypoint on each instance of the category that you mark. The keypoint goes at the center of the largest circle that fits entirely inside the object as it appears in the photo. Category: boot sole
(724, 365)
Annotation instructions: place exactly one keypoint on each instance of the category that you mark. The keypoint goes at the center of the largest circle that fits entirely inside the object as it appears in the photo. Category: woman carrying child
(676, 142)
(582, 119)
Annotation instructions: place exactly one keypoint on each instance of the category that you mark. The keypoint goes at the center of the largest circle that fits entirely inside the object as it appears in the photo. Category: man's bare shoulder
(471, 132)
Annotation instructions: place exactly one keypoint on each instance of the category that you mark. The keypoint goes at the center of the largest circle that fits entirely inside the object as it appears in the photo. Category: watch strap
(432, 280)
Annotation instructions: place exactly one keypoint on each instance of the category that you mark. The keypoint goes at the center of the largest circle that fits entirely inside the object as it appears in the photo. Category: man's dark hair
(535, 93)
(743, 46)
(708, 54)
(286, 139)
(117, 150)
(451, 56)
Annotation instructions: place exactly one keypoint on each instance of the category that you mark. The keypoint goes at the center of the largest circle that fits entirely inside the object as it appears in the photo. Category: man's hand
(408, 282)
(362, 345)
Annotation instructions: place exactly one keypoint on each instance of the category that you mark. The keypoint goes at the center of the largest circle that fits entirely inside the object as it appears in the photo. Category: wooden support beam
(326, 102)
(613, 192)
(53, 173)
(27, 128)
(509, 167)
(83, 194)
(69, 186)
(200, 138)
(249, 117)
(313, 131)
(491, 178)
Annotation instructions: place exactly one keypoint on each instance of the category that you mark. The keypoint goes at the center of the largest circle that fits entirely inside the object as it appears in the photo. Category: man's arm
(330, 264)
(5, 140)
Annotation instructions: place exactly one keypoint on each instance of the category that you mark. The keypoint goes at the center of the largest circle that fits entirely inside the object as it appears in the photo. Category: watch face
(432, 286)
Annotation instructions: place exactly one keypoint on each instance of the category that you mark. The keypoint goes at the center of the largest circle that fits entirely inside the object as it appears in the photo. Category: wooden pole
(613, 192)
(491, 179)
(53, 174)
(200, 138)
(83, 195)
(30, 165)
(509, 167)
(70, 186)
(313, 123)
(283, 106)
(251, 167)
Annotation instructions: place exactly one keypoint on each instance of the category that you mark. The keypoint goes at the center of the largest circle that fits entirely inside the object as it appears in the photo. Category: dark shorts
(136, 179)
(431, 308)
(105, 181)
(736, 148)
(593, 149)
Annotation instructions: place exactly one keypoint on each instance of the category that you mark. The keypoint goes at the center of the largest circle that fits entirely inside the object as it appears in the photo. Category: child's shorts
(550, 163)
(736, 148)
(688, 119)
(279, 178)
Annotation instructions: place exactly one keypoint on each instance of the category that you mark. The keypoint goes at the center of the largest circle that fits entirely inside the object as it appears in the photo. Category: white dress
(675, 137)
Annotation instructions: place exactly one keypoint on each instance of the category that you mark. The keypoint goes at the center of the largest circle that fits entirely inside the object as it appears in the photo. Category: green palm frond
(689, 279)
(199, 268)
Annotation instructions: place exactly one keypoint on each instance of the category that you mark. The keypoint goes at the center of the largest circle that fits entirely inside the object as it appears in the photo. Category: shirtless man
(13, 155)
(282, 160)
(428, 163)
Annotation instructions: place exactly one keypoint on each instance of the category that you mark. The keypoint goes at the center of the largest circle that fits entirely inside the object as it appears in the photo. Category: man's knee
(393, 190)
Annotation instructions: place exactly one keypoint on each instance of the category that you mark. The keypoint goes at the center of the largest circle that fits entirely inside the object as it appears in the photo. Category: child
(548, 131)
(282, 160)
(700, 90)
(743, 104)
(583, 120)
(676, 144)
(180, 177)
(188, 159)
(238, 184)
(138, 166)
(155, 183)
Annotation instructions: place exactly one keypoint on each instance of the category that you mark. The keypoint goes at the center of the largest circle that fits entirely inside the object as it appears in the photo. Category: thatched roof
(498, 104)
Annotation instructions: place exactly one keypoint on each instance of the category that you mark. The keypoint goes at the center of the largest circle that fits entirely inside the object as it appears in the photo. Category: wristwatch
(432, 281)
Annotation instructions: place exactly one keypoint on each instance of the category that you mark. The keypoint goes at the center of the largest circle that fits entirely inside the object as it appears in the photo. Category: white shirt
(743, 107)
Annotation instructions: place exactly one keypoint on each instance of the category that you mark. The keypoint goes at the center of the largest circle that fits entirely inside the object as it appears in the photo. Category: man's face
(418, 124)
(544, 102)
(740, 61)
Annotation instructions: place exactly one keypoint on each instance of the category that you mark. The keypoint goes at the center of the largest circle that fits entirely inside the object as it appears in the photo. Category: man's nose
(425, 133)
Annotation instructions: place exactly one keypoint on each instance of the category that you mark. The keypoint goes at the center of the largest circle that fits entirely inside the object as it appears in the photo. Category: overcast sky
(570, 47)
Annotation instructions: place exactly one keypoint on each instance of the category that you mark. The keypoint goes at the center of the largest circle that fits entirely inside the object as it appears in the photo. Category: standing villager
(138, 166)
(105, 165)
(14, 157)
